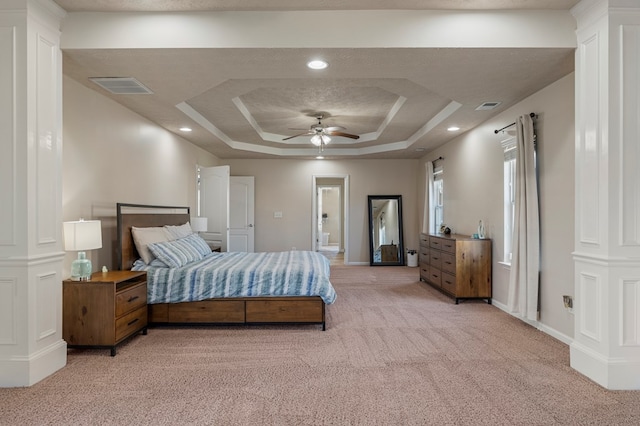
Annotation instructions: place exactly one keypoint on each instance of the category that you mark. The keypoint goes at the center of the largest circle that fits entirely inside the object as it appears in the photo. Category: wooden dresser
(104, 311)
(458, 265)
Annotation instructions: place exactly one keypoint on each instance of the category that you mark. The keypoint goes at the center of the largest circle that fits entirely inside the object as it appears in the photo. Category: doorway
(329, 217)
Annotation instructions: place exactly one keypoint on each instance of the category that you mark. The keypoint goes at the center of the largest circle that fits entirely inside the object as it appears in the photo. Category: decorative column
(31, 345)
(606, 346)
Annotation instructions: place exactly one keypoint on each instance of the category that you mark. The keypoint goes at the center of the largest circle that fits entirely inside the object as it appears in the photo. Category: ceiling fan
(321, 135)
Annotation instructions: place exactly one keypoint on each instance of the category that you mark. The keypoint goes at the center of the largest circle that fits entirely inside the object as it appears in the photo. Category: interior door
(214, 204)
(241, 213)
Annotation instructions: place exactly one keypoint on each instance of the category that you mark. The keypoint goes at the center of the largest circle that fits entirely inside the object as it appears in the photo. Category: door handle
(250, 225)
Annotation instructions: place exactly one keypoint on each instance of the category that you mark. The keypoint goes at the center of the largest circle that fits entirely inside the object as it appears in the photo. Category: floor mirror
(386, 246)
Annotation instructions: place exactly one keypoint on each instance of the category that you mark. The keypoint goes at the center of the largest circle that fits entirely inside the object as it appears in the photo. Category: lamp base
(81, 268)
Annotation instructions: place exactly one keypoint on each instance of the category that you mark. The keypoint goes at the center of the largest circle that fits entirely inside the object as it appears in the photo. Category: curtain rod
(532, 115)
(439, 158)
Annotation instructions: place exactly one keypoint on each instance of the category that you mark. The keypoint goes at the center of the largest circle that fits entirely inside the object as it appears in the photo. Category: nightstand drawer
(130, 323)
(131, 299)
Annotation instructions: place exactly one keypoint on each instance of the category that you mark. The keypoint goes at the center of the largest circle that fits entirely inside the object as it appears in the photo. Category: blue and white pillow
(179, 252)
(199, 244)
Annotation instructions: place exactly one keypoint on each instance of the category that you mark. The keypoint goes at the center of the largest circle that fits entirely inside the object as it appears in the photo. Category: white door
(214, 204)
(241, 213)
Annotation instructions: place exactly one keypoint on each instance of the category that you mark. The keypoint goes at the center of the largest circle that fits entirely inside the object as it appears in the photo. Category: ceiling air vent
(122, 85)
(487, 105)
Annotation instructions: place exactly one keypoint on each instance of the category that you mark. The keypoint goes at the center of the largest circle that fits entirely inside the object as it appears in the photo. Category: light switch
(277, 215)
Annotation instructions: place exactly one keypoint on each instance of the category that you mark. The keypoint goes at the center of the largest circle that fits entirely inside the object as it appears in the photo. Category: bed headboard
(142, 216)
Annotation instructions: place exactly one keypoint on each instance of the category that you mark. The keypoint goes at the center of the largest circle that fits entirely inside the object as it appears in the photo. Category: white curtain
(525, 262)
(428, 219)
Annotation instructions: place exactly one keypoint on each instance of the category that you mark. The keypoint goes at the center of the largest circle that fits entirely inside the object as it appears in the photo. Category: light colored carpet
(396, 352)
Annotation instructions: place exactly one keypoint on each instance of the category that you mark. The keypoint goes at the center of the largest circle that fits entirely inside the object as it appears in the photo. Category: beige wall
(287, 185)
(112, 155)
(473, 178)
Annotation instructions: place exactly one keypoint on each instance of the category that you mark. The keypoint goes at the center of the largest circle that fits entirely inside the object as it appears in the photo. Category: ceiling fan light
(326, 139)
(316, 140)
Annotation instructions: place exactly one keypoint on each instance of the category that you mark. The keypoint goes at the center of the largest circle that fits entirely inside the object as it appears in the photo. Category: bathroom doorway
(329, 217)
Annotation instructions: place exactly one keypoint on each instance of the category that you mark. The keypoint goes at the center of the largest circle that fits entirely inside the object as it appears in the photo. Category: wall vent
(487, 105)
(122, 85)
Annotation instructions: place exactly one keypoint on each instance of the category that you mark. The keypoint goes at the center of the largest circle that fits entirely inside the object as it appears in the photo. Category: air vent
(122, 85)
(487, 105)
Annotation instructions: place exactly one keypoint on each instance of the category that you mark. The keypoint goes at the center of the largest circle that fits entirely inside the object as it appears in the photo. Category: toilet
(325, 238)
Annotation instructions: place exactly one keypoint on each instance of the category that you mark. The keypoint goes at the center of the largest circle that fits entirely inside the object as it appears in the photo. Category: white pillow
(142, 237)
(179, 231)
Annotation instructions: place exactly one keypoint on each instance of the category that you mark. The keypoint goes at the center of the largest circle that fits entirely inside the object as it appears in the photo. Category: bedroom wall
(286, 185)
(473, 179)
(111, 155)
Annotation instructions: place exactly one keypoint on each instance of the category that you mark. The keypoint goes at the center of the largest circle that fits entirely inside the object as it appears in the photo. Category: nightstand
(215, 247)
(103, 312)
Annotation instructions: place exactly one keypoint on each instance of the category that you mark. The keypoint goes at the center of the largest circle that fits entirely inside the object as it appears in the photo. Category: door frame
(345, 211)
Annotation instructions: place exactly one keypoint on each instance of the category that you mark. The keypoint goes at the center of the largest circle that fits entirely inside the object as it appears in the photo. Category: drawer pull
(448, 263)
(132, 298)
(133, 322)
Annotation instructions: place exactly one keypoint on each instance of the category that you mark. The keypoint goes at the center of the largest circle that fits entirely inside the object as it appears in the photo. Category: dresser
(457, 265)
(104, 311)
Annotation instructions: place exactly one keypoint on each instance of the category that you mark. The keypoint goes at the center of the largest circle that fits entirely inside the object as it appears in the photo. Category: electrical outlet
(568, 302)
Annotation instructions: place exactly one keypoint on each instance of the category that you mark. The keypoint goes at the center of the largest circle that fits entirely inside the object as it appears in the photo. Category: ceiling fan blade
(344, 135)
(299, 134)
(333, 128)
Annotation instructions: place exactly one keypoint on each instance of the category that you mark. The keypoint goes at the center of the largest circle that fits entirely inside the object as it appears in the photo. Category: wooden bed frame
(245, 310)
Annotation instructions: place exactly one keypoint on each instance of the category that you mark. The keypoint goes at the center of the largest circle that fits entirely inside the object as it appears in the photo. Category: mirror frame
(400, 261)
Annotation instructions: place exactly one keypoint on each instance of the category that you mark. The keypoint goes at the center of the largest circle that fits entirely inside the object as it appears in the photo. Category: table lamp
(199, 224)
(79, 236)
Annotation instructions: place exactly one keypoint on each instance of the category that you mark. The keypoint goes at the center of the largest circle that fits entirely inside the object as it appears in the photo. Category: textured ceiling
(266, 5)
(242, 102)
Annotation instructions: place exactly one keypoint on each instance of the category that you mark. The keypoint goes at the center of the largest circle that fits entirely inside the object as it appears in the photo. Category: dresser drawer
(435, 243)
(423, 257)
(424, 240)
(424, 271)
(449, 246)
(435, 276)
(130, 323)
(131, 299)
(448, 283)
(448, 263)
(435, 259)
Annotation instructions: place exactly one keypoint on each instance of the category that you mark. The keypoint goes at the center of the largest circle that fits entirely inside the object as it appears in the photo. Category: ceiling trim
(190, 112)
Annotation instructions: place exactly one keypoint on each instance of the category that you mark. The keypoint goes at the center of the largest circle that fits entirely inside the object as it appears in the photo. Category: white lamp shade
(199, 224)
(82, 235)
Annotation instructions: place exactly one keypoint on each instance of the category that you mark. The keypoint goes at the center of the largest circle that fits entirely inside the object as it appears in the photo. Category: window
(510, 150)
(438, 197)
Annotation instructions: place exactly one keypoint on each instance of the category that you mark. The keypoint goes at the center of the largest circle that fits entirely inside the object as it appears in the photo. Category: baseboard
(536, 324)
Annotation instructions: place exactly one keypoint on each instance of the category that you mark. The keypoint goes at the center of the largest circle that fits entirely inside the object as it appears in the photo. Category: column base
(610, 373)
(28, 370)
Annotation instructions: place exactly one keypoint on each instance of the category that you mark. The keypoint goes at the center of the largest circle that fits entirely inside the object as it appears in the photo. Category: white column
(606, 346)
(31, 345)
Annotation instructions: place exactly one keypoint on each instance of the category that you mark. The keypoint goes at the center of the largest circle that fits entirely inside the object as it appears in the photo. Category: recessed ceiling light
(185, 129)
(319, 157)
(317, 64)
(453, 129)
(420, 149)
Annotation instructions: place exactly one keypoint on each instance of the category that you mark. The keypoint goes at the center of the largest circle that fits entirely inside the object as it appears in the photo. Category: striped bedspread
(291, 273)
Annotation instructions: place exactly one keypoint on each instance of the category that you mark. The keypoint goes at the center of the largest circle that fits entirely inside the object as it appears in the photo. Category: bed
(285, 287)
